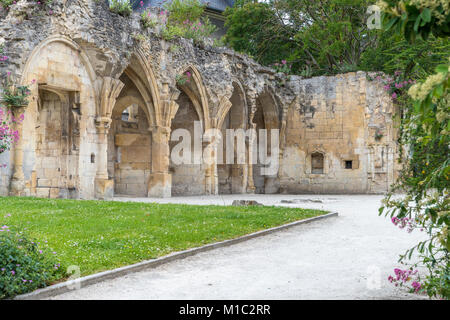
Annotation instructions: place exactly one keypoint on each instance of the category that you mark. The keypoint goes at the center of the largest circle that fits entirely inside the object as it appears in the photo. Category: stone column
(104, 187)
(160, 182)
(210, 159)
(108, 89)
(18, 178)
(251, 141)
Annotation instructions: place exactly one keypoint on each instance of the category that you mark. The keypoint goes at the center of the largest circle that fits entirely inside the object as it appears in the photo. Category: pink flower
(394, 95)
(283, 61)
(416, 285)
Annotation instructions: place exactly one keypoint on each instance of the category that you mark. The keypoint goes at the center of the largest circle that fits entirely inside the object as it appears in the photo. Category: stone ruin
(106, 98)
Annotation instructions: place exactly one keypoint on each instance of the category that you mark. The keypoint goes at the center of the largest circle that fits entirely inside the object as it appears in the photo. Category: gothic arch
(226, 104)
(197, 93)
(58, 38)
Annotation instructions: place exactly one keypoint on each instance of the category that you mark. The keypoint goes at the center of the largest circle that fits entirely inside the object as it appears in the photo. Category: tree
(328, 36)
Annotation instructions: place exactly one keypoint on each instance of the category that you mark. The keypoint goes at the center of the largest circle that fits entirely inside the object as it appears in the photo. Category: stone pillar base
(104, 189)
(17, 187)
(160, 185)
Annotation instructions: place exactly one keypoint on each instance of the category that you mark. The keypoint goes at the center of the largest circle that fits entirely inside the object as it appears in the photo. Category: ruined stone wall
(345, 122)
(86, 65)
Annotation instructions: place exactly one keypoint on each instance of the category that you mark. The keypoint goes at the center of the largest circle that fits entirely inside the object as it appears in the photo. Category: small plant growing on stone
(306, 72)
(378, 135)
(13, 95)
(139, 37)
(149, 20)
(185, 20)
(174, 48)
(121, 7)
(8, 136)
(182, 79)
(282, 67)
(219, 42)
(5, 4)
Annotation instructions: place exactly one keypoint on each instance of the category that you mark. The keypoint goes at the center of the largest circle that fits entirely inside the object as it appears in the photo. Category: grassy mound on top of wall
(103, 235)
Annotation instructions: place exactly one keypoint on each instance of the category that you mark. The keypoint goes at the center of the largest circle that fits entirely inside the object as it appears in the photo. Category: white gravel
(348, 257)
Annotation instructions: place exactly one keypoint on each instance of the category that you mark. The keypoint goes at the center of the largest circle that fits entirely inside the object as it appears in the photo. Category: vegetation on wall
(122, 7)
(10, 96)
(186, 20)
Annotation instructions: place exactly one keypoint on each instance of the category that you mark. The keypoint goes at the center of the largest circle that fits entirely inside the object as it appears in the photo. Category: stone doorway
(57, 143)
(233, 177)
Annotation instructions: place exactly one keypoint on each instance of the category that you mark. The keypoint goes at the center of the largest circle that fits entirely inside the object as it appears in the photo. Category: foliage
(425, 135)
(101, 235)
(417, 18)
(182, 79)
(391, 53)
(185, 20)
(150, 19)
(41, 4)
(282, 67)
(13, 95)
(254, 28)
(327, 36)
(10, 95)
(147, 20)
(122, 7)
(6, 3)
(182, 10)
(24, 264)
(8, 136)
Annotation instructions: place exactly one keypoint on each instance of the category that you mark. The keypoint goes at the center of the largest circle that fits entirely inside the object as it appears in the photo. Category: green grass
(102, 235)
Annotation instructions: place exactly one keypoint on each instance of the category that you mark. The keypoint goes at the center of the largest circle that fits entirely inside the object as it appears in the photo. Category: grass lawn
(103, 235)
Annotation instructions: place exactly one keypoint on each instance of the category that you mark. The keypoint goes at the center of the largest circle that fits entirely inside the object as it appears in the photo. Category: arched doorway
(129, 143)
(187, 178)
(233, 176)
(57, 143)
(266, 117)
(191, 120)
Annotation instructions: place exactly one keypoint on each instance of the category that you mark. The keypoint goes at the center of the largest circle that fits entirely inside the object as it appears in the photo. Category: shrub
(182, 10)
(6, 3)
(185, 21)
(24, 266)
(122, 7)
(147, 20)
(182, 79)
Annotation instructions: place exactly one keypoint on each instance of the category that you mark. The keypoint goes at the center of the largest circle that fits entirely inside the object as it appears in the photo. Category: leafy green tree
(392, 52)
(328, 36)
(425, 178)
(254, 28)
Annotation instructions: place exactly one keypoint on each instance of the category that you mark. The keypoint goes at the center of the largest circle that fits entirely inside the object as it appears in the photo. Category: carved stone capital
(108, 89)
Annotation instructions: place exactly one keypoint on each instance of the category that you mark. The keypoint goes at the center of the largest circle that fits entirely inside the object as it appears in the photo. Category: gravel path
(348, 257)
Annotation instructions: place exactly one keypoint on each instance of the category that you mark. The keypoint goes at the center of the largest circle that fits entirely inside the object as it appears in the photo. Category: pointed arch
(226, 104)
(196, 91)
(270, 108)
(141, 74)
